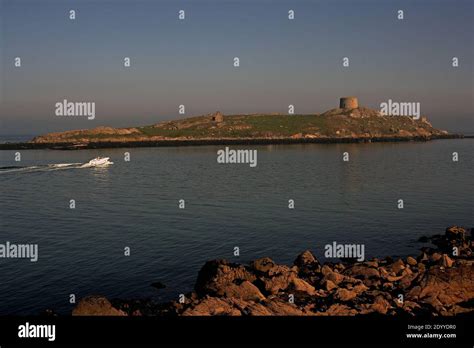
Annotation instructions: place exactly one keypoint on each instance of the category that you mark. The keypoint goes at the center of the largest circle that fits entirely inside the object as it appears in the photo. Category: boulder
(216, 275)
(411, 261)
(263, 265)
(445, 287)
(245, 291)
(212, 306)
(455, 233)
(96, 306)
(280, 307)
(362, 272)
(301, 285)
(305, 259)
(446, 261)
(344, 295)
(398, 266)
(279, 282)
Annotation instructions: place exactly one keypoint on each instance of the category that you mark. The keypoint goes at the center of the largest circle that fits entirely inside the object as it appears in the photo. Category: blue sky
(190, 62)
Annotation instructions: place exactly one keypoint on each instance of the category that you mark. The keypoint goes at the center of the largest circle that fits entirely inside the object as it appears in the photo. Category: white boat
(98, 162)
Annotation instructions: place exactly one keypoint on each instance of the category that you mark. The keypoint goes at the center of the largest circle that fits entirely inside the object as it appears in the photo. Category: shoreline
(438, 282)
(230, 141)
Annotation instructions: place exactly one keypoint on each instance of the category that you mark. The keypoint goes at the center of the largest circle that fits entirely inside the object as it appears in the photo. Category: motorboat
(98, 162)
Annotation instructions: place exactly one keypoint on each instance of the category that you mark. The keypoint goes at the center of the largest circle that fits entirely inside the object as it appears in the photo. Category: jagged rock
(329, 285)
(373, 264)
(380, 305)
(326, 270)
(279, 282)
(263, 265)
(96, 305)
(407, 279)
(411, 261)
(212, 306)
(279, 307)
(344, 295)
(445, 287)
(216, 275)
(398, 266)
(301, 285)
(360, 271)
(305, 259)
(446, 261)
(455, 233)
(255, 309)
(335, 277)
(339, 309)
(245, 291)
(359, 289)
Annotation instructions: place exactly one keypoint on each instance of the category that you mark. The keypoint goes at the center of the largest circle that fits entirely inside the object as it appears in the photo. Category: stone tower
(218, 117)
(348, 103)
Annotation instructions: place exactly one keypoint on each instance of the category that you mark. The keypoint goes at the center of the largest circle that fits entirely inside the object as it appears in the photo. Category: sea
(128, 229)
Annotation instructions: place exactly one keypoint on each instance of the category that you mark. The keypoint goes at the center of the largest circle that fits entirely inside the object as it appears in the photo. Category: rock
(245, 291)
(279, 307)
(411, 261)
(216, 275)
(279, 282)
(362, 272)
(398, 266)
(96, 305)
(407, 279)
(380, 305)
(335, 277)
(423, 239)
(455, 233)
(329, 285)
(158, 285)
(212, 306)
(422, 257)
(373, 264)
(301, 285)
(359, 289)
(435, 257)
(445, 288)
(305, 259)
(339, 309)
(446, 261)
(344, 295)
(263, 265)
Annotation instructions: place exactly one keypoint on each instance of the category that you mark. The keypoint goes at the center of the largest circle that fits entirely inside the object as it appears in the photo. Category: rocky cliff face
(434, 283)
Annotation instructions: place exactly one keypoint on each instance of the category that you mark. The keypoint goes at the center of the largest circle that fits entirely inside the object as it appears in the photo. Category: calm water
(135, 204)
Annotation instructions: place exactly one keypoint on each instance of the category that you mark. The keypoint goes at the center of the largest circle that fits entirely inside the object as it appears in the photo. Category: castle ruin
(348, 103)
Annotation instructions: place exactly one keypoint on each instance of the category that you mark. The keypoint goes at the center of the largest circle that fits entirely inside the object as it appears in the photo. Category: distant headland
(349, 123)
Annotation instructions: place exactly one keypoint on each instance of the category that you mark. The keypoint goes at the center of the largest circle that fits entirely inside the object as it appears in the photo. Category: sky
(190, 61)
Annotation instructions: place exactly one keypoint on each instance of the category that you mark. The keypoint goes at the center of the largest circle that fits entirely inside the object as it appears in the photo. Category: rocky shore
(438, 282)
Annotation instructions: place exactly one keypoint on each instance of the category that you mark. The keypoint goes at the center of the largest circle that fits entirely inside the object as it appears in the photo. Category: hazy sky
(190, 62)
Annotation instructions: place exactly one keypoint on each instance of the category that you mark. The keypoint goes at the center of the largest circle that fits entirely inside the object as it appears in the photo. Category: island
(347, 123)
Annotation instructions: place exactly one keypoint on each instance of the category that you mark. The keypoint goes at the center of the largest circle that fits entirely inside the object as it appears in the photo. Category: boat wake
(99, 162)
